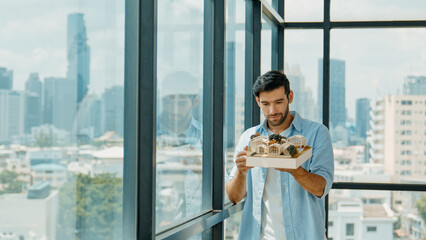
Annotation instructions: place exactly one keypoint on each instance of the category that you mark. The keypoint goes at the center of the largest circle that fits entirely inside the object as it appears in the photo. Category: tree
(43, 139)
(421, 207)
(91, 208)
(9, 182)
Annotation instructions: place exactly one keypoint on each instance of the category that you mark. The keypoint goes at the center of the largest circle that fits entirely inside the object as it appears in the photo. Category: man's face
(177, 107)
(275, 105)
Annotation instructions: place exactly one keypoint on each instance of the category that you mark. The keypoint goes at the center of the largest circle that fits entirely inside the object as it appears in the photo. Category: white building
(12, 109)
(375, 136)
(40, 156)
(29, 218)
(353, 220)
(52, 173)
(404, 133)
(108, 160)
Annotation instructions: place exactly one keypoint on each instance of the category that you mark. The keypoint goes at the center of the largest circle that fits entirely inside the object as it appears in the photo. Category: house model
(276, 145)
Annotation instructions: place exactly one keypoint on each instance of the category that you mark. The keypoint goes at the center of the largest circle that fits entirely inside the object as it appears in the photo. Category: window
(64, 95)
(371, 229)
(407, 102)
(179, 111)
(350, 229)
(330, 224)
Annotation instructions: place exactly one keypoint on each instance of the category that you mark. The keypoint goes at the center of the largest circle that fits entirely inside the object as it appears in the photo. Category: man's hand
(236, 187)
(241, 161)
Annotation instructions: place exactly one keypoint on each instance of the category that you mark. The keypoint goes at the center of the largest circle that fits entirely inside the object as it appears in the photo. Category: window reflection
(179, 111)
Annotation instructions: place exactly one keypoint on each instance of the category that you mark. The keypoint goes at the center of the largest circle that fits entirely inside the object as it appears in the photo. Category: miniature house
(275, 149)
(257, 141)
(262, 149)
(298, 141)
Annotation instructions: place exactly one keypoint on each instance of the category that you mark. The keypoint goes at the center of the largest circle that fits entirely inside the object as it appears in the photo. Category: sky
(33, 39)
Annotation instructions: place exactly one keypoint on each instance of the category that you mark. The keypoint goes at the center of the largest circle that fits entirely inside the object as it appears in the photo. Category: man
(179, 149)
(176, 124)
(282, 203)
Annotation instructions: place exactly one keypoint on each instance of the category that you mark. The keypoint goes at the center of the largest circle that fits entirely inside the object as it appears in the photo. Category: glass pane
(378, 104)
(302, 50)
(232, 225)
(365, 10)
(266, 45)
(304, 11)
(359, 215)
(179, 111)
(266, 50)
(61, 119)
(234, 87)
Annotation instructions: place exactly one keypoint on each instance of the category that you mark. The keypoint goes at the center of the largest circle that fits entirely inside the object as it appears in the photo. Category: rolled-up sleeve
(322, 161)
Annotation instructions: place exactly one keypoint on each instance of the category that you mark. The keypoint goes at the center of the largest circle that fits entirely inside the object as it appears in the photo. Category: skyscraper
(415, 85)
(89, 118)
(303, 101)
(6, 78)
(337, 91)
(33, 102)
(362, 116)
(113, 109)
(60, 103)
(34, 84)
(78, 54)
(12, 107)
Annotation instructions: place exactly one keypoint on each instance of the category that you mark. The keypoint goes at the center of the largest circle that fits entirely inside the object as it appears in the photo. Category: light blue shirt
(304, 213)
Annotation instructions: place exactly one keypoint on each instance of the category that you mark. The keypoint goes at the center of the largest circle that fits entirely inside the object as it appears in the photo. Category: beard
(279, 121)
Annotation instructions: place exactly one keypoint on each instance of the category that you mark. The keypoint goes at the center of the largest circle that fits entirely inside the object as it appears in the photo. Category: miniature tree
(278, 138)
(292, 150)
(254, 135)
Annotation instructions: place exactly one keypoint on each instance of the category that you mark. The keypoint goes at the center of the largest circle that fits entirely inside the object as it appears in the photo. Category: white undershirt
(272, 214)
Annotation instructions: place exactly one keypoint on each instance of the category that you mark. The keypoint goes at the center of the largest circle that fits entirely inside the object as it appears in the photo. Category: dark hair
(271, 81)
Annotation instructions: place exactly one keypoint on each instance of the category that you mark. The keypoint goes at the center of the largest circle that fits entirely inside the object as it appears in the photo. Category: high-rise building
(33, 111)
(303, 101)
(362, 116)
(6, 78)
(404, 131)
(89, 118)
(113, 110)
(78, 54)
(337, 92)
(60, 103)
(34, 84)
(12, 109)
(33, 102)
(376, 135)
(414, 85)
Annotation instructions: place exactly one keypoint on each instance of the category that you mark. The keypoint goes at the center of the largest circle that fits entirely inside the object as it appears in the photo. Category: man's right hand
(240, 160)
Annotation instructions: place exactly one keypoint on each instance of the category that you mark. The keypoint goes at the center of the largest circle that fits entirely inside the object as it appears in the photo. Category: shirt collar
(296, 123)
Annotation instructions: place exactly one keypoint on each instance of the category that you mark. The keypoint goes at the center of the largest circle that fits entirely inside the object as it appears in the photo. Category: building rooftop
(109, 153)
(377, 211)
(51, 167)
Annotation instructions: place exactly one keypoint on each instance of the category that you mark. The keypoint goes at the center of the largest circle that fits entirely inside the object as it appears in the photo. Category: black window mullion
(140, 114)
(207, 106)
(326, 83)
(218, 113)
(131, 83)
(278, 39)
(252, 61)
(281, 36)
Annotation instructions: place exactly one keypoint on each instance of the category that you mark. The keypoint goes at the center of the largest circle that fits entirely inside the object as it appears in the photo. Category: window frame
(140, 97)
